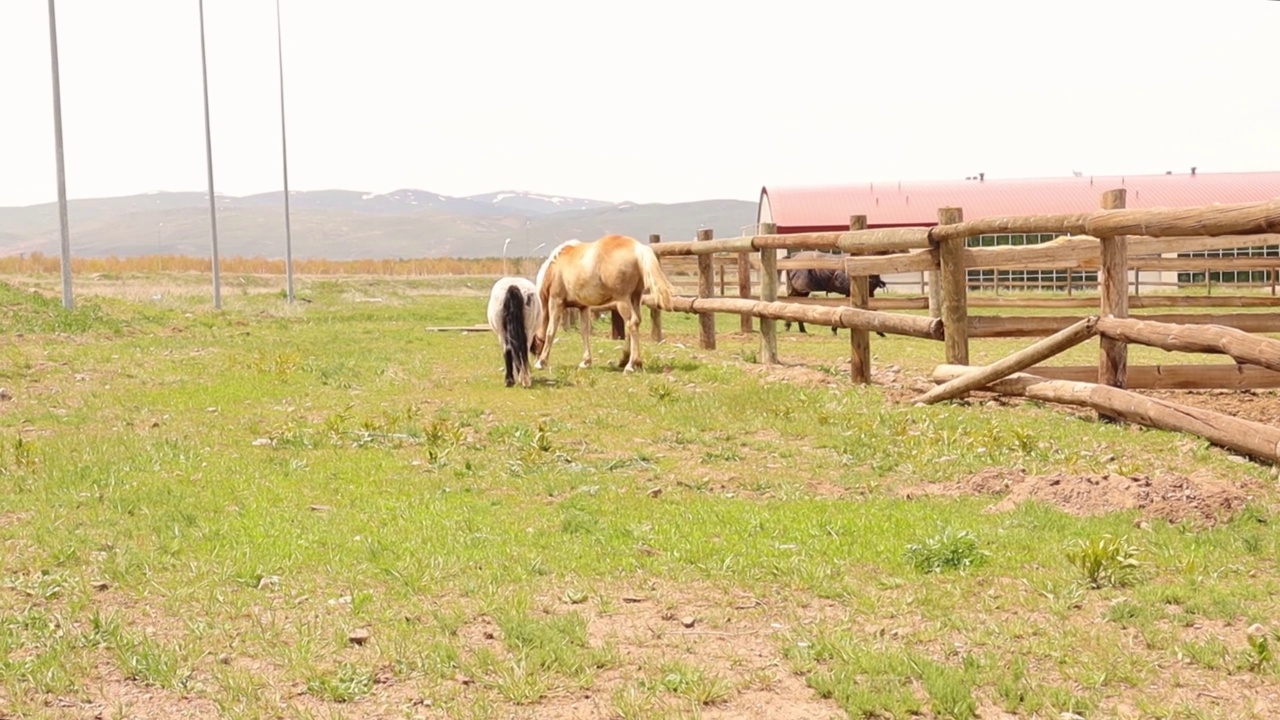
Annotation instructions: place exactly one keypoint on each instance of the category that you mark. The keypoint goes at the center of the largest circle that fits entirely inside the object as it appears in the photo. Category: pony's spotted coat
(515, 313)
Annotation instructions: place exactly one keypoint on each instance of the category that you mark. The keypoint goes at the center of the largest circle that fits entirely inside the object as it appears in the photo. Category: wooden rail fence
(1112, 240)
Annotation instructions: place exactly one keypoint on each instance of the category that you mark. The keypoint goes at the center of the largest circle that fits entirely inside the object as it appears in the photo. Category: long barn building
(915, 204)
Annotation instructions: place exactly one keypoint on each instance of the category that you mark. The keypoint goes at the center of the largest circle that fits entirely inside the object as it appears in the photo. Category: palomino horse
(617, 328)
(612, 271)
(515, 313)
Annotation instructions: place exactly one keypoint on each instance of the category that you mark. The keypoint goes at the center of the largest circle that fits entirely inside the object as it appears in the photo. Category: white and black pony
(515, 313)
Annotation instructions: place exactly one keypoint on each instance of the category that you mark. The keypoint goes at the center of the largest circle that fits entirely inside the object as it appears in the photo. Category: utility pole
(208, 152)
(68, 301)
(284, 156)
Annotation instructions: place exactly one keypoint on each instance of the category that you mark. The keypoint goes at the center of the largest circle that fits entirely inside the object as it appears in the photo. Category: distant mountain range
(345, 224)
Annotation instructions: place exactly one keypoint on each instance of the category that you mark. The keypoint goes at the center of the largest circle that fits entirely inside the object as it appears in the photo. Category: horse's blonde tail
(655, 281)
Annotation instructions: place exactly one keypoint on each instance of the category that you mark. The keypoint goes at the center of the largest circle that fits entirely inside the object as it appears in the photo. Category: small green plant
(346, 683)
(1127, 614)
(950, 692)
(147, 661)
(948, 550)
(1260, 652)
(661, 391)
(693, 684)
(542, 438)
(1106, 561)
(23, 453)
(634, 703)
(520, 682)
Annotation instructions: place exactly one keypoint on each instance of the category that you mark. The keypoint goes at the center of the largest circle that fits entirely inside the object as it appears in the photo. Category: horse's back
(600, 272)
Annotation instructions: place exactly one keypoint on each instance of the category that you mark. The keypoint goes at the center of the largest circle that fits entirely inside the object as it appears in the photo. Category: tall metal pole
(68, 301)
(208, 151)
(284, 155)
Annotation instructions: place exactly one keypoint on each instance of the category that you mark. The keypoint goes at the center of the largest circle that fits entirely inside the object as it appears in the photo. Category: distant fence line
(38, 263)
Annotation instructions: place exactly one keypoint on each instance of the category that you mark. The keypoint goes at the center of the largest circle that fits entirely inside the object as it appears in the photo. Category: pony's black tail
(515, 350)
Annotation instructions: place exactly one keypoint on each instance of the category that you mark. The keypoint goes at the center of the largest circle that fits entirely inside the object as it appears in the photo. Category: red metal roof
(905, 204)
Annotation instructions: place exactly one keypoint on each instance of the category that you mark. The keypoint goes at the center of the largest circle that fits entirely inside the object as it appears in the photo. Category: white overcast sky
(660, 101)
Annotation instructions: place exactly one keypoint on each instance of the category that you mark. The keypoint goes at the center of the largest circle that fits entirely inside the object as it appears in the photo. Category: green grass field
(324, 511)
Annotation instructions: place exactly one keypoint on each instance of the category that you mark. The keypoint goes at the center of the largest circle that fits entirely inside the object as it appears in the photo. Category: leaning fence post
(655, 314)
(859, 340)
(1113, 282)
(768, 293)
(706, 289)
(953, 289)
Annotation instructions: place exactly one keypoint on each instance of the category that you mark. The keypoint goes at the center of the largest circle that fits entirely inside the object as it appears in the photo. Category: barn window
(1025, 279)
(1238, 277)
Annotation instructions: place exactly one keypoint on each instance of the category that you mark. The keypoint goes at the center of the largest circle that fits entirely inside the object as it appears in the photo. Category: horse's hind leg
(586, 339)
(631, 356)
(554, 310)
(508, 359)
(786, 326)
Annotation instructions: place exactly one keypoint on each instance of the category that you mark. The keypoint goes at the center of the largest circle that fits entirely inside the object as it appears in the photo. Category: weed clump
(1106, 561)
(948, 550)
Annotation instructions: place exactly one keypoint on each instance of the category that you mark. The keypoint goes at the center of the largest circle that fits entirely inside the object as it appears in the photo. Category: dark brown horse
(800, 283)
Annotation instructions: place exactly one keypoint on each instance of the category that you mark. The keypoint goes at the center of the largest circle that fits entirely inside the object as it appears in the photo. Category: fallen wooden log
(1135, 301)
(1156, 377)
(1240, 345)
(1042, 325)
(1244, 436)
(840, 317)
(1021, 360)
(461, 328)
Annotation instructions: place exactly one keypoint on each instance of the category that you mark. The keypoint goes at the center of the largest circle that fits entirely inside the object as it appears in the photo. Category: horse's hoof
(509, 382)
(537, 364)
(629, 369)
(584, 364)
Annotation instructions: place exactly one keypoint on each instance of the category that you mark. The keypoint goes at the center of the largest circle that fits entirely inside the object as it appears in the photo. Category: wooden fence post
(953, 289)
(935, 291)
(768, 293)
(1113, 282)
(706, 289)
(859, 340)
(744, 287)
(655, 315)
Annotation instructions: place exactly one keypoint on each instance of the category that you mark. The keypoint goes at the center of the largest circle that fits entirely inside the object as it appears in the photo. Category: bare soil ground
(1198, 499)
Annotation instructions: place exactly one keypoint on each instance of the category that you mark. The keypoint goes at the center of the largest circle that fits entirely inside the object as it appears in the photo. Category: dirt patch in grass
(728, 641)
(12, 519)
(1199, 498)
(110, 694)
(794, 373)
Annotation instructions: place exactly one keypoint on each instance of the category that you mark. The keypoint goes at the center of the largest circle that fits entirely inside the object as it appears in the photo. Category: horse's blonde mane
(551, 260)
